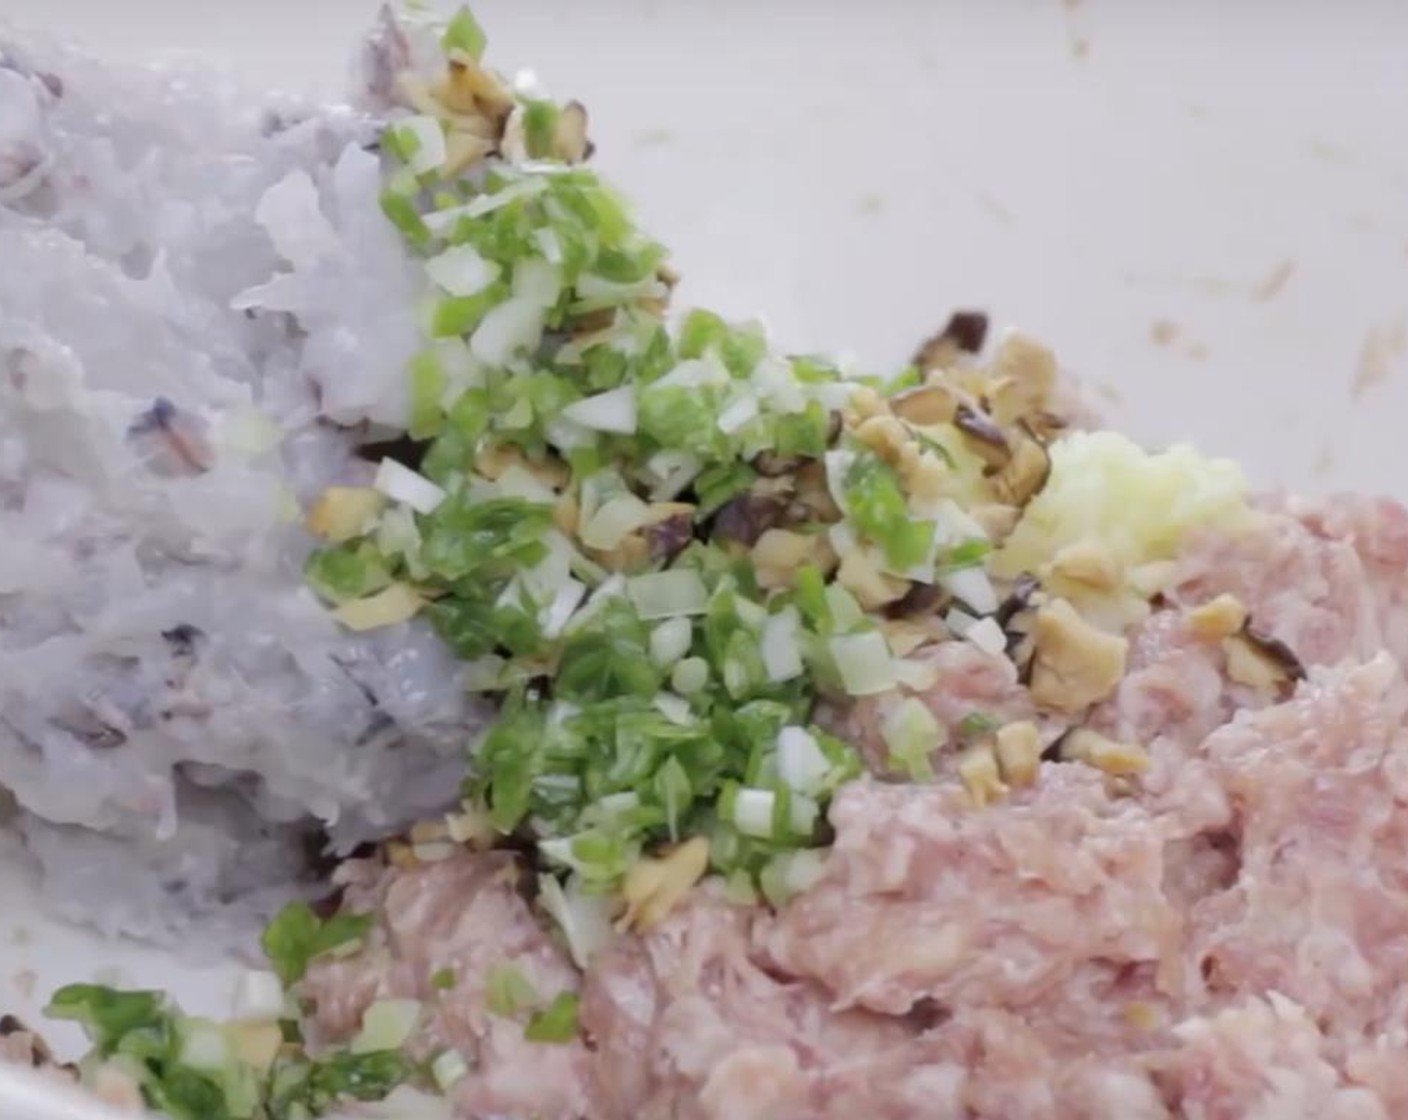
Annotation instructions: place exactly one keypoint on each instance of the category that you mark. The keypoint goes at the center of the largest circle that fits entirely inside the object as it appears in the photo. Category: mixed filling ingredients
(900, 746)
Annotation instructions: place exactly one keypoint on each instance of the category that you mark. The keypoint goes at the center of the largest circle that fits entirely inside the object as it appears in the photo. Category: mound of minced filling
(902, 747)
(1222, 934)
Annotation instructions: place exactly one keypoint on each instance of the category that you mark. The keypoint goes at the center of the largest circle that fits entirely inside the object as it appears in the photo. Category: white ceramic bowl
(1197, 204)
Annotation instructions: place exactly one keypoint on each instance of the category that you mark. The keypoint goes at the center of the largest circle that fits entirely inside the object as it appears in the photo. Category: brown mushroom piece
(965, 333)
(1023, 476)
(1075, 664)
(1019, 599)
(744, 519)
(1260, 661)
(926, 405)
(569, 141)
(984, 436)
(1023, 377)
(774, 464)
(921, 598)
(671, 534)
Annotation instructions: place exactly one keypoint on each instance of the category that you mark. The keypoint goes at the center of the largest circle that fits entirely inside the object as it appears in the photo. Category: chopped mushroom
(861, 576)
(1022, 477)
(1018, 747)
(1261, 662)
(965, 332)
(780, 552)
(884, 435)
(928, 405)
(978, 769)
(1027, 371)
(669, 530)
(569, 141)
(1105, 754)
(984, 437)
(654, 887)
(1075, 664)
(745, 519)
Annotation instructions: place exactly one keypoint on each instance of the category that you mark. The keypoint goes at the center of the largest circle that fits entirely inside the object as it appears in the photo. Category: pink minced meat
(687, 1025)
(1319, 912)
(463, 914)
(1227, 937)
(1267, 1058)
(1050, 895)
(1326, 578)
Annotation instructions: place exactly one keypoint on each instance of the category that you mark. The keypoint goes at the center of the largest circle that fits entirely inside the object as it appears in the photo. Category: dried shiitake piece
(965, 332)
(984, 436)
(1259, 660)
(927, 405)
(1025, 473)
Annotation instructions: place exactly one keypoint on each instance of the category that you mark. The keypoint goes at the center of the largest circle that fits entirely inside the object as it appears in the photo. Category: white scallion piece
(461, 271)
(673, 472)
(864, 662)
(617, 804)
(537, 281)
(781, 646)
(514, 326)
(670, 641)
(959, 621)
(428, 140)
(386, 1025)
(549, 245)
(776, 383)
(911, 733)
(448, 1069)
(802, 814)
(679, 592)
(585, 919)
(752, 812)
(617, 518)
(205, 1046)
(916, 675)
(674, 708)
(442, 221)
(401, 484)
(689, 676)
(612, 411)
(738, 414)
(258, 995)
(838, 466)
(987, 635)
(801, 763)
(694, 373)
(971, 587)
(559, 612)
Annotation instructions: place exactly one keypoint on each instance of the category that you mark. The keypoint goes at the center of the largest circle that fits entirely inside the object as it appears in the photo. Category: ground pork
(1319, 911)
(925, 897)
(685, 1024)
(463, 914)
(1327, 578)
(1266, 1059)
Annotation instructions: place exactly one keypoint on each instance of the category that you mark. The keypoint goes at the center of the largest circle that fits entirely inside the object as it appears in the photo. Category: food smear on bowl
(691, 728)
